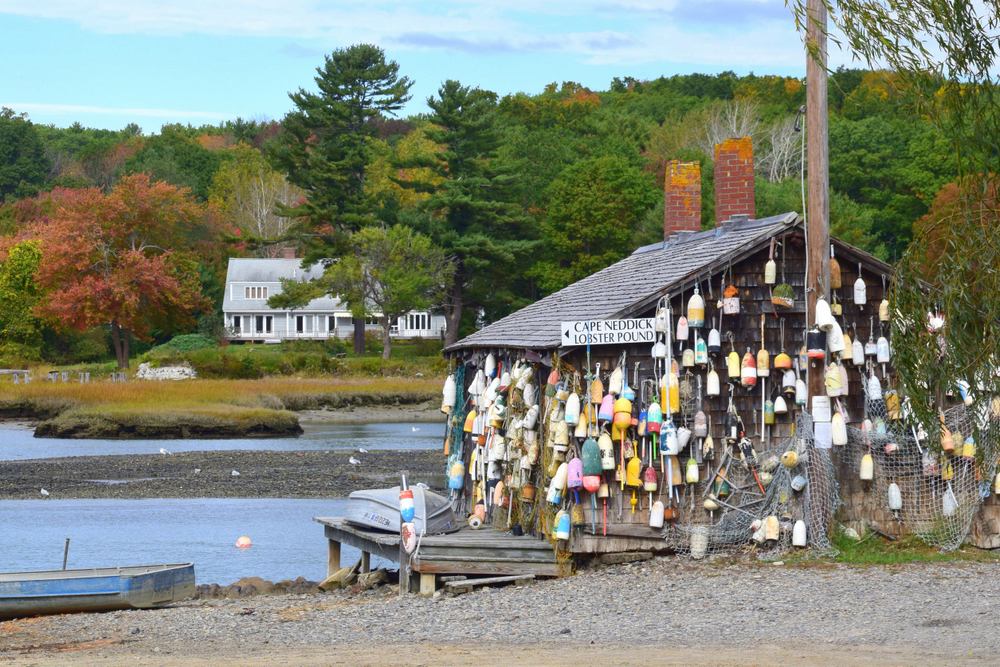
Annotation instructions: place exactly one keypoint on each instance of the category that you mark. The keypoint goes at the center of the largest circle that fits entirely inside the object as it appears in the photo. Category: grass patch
(876, 550)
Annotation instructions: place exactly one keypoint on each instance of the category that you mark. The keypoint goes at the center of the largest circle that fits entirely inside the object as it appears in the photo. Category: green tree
(23, 165)
(471, 212)
(390, 272)
(19, 294)
(595, 208)
(175, 156)
(325, 147)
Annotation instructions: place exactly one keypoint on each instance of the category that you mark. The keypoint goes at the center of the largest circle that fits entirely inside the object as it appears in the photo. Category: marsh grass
(197, 407)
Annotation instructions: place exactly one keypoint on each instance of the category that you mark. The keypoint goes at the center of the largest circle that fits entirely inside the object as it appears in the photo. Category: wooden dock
(483, 552)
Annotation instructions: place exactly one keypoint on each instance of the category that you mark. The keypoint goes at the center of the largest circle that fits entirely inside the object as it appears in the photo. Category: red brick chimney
(681, 198)
(734, 191)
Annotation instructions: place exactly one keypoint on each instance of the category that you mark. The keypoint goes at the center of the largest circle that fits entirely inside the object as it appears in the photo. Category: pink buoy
(243, 542)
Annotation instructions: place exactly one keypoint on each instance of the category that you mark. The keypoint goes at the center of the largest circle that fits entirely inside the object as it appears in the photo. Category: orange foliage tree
(125, 259)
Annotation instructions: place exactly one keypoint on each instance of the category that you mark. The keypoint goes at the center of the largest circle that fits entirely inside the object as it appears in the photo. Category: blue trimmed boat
(96, 589)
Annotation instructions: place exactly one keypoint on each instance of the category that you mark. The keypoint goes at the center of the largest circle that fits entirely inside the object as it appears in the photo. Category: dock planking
(483, 552)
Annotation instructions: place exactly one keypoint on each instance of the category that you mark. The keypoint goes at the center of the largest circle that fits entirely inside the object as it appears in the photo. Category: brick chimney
(734, 191)
(288, 252)
(681, 198)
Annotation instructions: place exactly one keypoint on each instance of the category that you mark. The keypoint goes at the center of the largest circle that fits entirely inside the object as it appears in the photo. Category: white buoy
(895, 497)
(799, 534)
(867, 472)
(243, 542)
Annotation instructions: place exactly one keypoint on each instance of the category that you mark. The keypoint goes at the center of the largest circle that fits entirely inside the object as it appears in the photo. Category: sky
(107, 63)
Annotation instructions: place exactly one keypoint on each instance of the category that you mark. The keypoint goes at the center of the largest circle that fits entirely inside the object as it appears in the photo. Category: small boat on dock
(379, 509)
(94, 589)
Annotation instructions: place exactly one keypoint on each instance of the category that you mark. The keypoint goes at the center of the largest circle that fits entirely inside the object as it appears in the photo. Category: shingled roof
(626, 287)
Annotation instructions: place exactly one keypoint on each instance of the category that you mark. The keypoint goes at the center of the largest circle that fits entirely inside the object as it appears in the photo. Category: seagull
(44, 493)
(197, 470)
(353, 461)
(165, 452)
(414, 429)
(235, 473)
(362, 450)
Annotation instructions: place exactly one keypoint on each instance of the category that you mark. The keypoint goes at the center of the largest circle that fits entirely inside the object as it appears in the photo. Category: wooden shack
(727, 265)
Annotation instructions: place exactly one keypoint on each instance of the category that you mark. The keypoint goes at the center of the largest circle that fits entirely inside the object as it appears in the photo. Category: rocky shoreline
(262, 474)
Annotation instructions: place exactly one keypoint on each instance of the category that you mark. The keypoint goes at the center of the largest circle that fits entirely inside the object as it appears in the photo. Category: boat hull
(379, 509)
(91, 590)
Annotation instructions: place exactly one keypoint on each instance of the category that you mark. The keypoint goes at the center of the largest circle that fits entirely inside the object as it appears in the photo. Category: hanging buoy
(675, 394)
(659, 350)
(714, 342)
(799, 534)
(867, 472)
(800, 392)
(783, 361)
(562, 525)
(590, 457)
(558, 484)
(650, 482)
(780, 407)
(874, 387)
(632, 470)
(623, 413)
(788, 382)
(505, 381)
(708, 447)
(529, 393)
(661, 321)
(763, 363)
(895, 497)
(860, 290)
(670, 443)
(731, 300)
(700, 426)
(607, 450)
(831, 380)
(838, 429)
(770, 272)
(582, 428)
(682, 328)
(836, 280)
(478, 384)
(848, 344)
(799, 482)
(700, 351)
(530, 418)
(691, 473)
(490, 366)
(844, 381)
(456, 475)
(748, 370)
(596, 387)
(949, 503)
(733, 366)
(857, 353)
(882, 350)
(448, 395)
(816, 344)
(615, 381)
(572, 411)
(687, 358)
(769, 419)
(654, 417)
(656, 515)
(712, 387)
(560, 436)
(696, 310)
(607, 410)
(835, 339)
(824, 318)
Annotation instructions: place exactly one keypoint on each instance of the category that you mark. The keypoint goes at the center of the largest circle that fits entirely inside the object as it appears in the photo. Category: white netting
(937, 493)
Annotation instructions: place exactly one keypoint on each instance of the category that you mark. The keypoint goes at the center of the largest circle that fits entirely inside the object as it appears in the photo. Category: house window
(331, 323)
(236, 323)
(255, 292)
(417, 322)
(264, 324)
(303, 323)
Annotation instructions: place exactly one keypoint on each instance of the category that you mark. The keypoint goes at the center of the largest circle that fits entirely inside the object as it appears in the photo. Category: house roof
(270, 272)
(635, 283)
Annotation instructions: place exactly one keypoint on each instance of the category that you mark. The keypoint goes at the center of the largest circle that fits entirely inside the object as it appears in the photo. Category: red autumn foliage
(120, 259)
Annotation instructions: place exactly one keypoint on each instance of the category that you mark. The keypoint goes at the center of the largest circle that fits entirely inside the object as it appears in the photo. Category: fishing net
(806, 491)
(935, 494)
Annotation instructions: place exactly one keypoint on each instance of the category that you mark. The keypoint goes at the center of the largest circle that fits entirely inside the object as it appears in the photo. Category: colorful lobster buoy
(561, 526)
(456, 475)
(714, 342)
(691, 473)
(606, 413)
(574, 477)
(406, 510)
(683, 331)
(607, 450)
(700, 351)
(733, 366)
(816, 344)
(696, 310)
(572, 410)
(558, 484)
(748, 370)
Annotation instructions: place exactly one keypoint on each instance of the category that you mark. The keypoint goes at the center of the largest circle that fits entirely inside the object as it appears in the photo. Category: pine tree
(470, 210)
(325, 147)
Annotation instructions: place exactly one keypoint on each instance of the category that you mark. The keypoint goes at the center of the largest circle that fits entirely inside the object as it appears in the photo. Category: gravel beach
(664, 611)
(262, 474)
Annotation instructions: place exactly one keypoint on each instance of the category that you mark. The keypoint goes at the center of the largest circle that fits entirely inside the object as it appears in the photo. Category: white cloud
(615, 32)
(140, 112)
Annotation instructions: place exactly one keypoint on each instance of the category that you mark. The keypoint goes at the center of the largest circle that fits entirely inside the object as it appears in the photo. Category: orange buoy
(243, 542)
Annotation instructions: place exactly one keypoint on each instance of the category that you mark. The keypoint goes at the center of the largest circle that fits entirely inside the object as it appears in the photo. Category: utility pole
(818, 171)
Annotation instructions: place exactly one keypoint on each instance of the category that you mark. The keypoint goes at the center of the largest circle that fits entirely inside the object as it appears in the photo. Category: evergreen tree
(470, 212)
(325, 144)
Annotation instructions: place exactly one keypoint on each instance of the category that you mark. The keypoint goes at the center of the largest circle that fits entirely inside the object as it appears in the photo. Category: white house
(250, 282)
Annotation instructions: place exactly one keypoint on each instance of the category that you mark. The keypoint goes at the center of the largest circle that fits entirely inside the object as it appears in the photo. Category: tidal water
(287, 543)
(18, 442)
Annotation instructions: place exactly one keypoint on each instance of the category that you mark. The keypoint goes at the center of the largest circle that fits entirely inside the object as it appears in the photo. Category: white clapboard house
(250, 282)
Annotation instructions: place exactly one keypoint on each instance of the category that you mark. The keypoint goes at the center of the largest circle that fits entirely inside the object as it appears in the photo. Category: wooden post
(366, 562)
(404, 570)
(428, 582)
(332, 557)
(818, 173)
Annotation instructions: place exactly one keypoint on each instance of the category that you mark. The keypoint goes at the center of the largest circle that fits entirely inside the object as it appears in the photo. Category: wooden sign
(607, 332)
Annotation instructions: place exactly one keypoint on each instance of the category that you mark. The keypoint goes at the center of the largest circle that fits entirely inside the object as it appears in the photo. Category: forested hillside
(525, 194)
